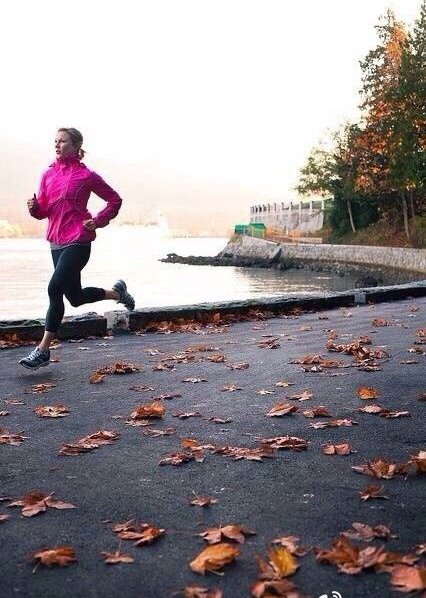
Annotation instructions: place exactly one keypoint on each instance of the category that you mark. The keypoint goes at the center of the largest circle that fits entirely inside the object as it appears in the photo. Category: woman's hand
(89, 224)
(31, 203)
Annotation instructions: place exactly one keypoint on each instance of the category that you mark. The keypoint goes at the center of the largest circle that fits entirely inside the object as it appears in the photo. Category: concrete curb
(93, 324)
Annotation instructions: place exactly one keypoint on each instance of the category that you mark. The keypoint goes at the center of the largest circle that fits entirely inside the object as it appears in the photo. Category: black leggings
(66, 280)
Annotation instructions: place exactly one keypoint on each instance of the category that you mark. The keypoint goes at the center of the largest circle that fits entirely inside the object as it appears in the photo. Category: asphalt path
(307, 494)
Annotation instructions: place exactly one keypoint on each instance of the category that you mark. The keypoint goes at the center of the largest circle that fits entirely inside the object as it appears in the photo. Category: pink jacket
(62, 198)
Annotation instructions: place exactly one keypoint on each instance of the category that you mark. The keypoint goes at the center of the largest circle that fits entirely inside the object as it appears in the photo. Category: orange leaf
(280, 409)
(52, 410)
(214, 557)
(408, 579)
(154, 410)
(282, 561)
(367, 393)
(62, 556)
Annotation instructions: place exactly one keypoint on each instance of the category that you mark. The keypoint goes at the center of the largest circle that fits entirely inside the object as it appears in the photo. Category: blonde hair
(76, 138)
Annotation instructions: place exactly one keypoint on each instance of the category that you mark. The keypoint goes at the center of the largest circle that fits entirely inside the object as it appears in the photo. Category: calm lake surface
(132, 253)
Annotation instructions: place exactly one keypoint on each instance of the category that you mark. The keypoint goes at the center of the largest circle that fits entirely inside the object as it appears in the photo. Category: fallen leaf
(379, 322)
(14, 402)
(262, 391)
(419, 462)
(112, 558)
(88, 443)
(214, 535)
(372, 492)
(367, 393)
(62, 556)
(119, 368)
(12, 439)
(348, 557)
(274, 588)
(194, 380)
(366, 533)
(141, 388)
(43, 387)
(230, 388)
(280, 409)
(4, 413)
(52, 410)
(237, 366)
(202, 501)
(408, 579)
(284, 383)
(291, 544)
(301, 396)
(251, 454)
(220, 420)
(4, 517)
(378, 468)
(333, 423)
(319, 411)
(185, 415)
(337, 449)
(214, 557)
(194, 591)
(37, 502)
(158, 432)
(285, 442)
(149, 410)
(167, 397)
(177, 459)
(281, 561)
(96, 377)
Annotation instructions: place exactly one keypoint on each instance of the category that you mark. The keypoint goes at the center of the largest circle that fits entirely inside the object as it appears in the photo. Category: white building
(306, 216)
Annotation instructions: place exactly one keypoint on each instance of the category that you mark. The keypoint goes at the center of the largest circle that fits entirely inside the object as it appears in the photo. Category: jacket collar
(66, 160)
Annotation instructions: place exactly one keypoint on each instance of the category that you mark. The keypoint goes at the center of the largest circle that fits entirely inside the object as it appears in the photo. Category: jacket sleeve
(107, 193)
(39, 210)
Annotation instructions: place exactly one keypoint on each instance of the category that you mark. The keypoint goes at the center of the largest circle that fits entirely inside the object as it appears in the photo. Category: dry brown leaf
(408, 579)
(96, 378)
(4, 517)
(149, 410)
(319, 411)
(373, 409)
(282, 561)
(284, 383)
(155, 433)
(337, 449)
(251, 454)
(285, 442)
(263, 392)
(43, 387)
(217, 358)
(37, 502)
(177, 459)
(213, 535)
(280, 409)
(202, 501)
(301, 396)
(194, 380)
(291, 544)
(52, 410)
(378, 468)
(167, 397)
(12, 439)
(372, 492)
(421, 549)
(214, 557)
(88, 443)
(271, 343)
(379, 322)
(194, 591)
(230, 388)
(14, 402)
(419, 462)
(186, 414)
(367, 393)
(220, 420)
(333, 423)
(362, 531)
(237, 366)
(274, 588)
(62, 556)
(119, 368)
(112, 558)
(141, 388)
(349, 558)
(4, 413)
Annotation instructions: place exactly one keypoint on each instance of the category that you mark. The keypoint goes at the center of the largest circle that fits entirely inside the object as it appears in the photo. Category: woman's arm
(37, 206)
(107, 193)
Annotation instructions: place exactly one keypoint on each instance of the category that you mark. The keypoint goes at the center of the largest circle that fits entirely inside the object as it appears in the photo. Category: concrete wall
(304, 216)
(392, 257)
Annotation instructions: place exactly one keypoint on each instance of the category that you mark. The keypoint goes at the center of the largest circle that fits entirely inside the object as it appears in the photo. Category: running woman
(63, 195)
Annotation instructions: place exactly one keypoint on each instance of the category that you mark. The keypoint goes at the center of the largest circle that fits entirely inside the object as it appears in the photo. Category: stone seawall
(413, 260)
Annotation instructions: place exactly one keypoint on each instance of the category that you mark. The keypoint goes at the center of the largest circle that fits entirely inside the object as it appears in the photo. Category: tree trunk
(351, 220)
(405, 213)
(413, 211)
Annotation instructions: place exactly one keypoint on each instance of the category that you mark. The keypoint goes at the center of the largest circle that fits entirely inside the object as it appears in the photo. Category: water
(132, 253)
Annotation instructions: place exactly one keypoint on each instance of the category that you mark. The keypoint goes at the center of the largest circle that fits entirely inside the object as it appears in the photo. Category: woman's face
(64, 145)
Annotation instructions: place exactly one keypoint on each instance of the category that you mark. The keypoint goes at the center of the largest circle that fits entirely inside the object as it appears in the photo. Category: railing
(293, 236)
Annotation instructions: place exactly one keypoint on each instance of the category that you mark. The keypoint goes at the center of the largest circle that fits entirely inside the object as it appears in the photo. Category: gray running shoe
(36, 359)
(125, 298)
